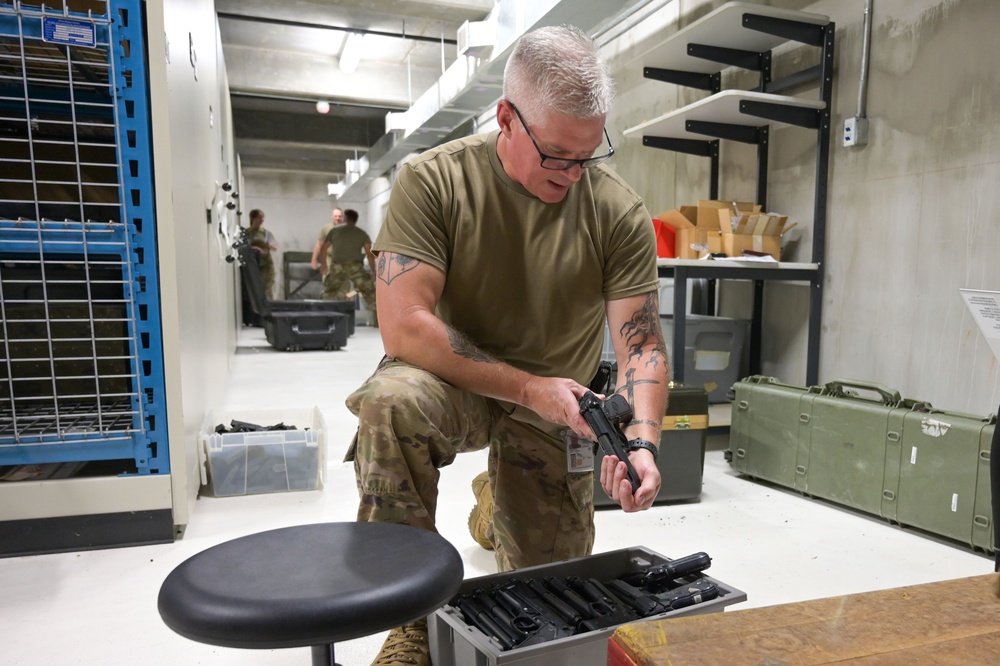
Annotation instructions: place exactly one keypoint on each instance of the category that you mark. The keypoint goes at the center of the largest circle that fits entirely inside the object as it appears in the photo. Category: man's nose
(574, 173)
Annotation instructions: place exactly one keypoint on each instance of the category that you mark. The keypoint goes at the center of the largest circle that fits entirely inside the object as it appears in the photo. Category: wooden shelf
(723, 27)
(728, 106)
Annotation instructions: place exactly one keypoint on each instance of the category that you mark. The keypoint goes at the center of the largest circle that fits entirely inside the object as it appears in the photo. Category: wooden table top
(949, 622)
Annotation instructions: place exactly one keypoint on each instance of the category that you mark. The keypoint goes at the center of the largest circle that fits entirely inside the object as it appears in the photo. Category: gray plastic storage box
(713, 352)
(247, 463)
(455, 643)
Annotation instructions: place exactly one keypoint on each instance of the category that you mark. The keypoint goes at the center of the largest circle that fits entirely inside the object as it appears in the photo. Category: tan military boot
(481, 518)
(406, 646)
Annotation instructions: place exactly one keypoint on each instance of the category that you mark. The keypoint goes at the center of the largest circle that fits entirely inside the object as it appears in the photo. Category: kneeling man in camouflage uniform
(499, 259)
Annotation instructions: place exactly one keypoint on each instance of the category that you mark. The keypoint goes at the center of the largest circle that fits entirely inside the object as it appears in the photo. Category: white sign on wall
(985, 309)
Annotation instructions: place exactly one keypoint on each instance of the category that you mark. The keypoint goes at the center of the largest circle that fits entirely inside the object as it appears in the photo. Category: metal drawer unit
(81, 375)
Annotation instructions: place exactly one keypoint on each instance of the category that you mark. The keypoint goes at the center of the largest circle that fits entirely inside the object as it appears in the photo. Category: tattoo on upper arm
(464, 347)
(391, 265)
(643, 328)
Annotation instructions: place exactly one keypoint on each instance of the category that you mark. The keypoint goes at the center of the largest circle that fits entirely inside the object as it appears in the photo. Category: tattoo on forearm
(391, 266)
(464, 347)
(643, 328)
(627, 388)
(644, 422)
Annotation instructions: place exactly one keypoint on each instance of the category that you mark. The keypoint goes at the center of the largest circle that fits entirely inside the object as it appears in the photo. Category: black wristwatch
(639, 443)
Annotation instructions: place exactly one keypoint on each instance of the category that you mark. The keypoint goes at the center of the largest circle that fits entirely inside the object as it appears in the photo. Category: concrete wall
(296, 206)
(193, 156)
(912, 217)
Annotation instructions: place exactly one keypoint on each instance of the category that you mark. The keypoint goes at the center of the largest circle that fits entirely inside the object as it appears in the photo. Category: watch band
(639, 443)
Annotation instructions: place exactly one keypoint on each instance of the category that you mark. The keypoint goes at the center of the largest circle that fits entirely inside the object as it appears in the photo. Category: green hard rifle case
(861, 445)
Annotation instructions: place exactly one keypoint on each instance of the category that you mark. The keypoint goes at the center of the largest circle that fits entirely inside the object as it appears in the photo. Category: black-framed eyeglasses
(561, 163)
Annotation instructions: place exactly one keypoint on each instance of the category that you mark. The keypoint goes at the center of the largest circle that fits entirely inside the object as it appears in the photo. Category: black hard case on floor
(345, 307)
(290, 325)
(681, 460)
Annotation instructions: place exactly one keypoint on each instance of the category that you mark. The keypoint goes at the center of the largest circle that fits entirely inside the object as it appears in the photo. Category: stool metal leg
(322, 655)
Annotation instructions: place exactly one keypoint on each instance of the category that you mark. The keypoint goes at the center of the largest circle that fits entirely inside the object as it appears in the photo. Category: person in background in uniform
(263, 243)
(348, 247)
(321, 262)
(499, 259)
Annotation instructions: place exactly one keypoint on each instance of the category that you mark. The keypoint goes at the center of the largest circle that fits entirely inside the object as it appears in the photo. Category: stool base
(322, 655)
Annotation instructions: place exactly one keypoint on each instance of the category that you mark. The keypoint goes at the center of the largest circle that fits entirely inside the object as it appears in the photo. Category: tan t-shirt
(323, 233)
(347, 244)
(526, 281)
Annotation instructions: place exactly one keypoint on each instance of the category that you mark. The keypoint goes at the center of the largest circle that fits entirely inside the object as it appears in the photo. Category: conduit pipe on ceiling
(472, 83)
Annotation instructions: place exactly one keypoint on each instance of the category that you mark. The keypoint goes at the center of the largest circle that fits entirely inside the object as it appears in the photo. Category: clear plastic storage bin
(246, 463)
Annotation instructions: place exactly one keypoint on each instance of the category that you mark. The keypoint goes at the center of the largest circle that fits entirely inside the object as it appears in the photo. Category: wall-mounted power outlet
(856, 131)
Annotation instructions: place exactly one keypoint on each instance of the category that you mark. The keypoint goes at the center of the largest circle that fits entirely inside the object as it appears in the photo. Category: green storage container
(940, 469)
(848, 425)
(982, 519)
(860, 445)
(769, 433)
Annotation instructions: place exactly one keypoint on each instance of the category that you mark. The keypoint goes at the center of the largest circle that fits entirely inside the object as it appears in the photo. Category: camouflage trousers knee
(411, 424)
(267, 276)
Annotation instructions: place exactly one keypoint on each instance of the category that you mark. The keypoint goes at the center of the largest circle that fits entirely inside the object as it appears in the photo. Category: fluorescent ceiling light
(350, 54)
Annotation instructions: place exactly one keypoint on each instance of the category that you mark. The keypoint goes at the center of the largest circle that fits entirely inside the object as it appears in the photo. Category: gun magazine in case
(453, 642)
(681, 460)
(860, 445)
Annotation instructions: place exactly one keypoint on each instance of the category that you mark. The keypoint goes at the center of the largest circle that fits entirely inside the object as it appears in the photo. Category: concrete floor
(99, 607)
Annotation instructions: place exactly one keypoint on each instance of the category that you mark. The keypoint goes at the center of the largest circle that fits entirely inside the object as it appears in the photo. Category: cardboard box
(755, 231)
(734, 245)
(708, 211)
(710, 239)
(682, 223)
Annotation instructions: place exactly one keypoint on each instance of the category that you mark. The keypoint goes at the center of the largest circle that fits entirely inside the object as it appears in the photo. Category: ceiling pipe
(472, 84)
(311, 100)
(317, 26)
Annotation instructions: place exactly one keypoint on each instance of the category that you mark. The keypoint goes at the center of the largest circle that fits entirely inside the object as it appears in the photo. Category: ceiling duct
(473, 83)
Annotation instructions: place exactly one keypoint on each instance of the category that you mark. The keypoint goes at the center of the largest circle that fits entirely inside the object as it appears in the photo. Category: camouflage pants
(267, 276)
(412, 423)
(338, 281)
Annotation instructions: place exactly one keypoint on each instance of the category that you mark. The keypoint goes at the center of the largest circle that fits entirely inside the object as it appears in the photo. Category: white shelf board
(723, 27)
(731, 262)
(722, 107)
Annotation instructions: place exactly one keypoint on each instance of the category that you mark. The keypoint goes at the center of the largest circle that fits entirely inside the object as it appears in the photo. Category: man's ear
(505, 117)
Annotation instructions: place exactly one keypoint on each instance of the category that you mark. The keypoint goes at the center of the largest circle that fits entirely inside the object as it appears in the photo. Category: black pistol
(605, 418)
(663, 575)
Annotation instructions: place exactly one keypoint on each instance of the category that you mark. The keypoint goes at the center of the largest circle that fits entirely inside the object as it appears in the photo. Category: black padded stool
(310, 585)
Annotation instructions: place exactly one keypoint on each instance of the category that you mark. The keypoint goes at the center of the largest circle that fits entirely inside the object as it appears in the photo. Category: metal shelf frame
(750, 32)
(78, 271)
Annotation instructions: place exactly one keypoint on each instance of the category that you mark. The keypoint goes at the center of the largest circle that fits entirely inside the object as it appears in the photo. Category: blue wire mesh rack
(81, 361)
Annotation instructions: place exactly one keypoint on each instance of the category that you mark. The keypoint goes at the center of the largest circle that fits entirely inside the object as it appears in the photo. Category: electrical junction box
(855, 131)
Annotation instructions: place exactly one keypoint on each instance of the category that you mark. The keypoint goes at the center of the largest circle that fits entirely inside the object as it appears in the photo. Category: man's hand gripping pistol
(605, 419)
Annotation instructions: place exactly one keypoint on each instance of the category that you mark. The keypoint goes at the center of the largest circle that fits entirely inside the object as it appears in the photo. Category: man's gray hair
(558, 68)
